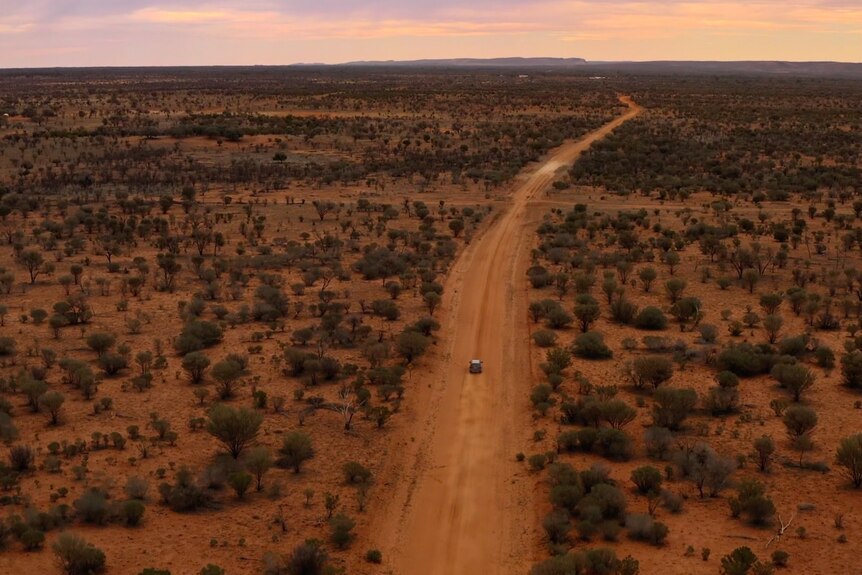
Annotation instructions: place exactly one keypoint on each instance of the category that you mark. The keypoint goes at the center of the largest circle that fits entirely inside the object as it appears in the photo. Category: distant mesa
(598, 69)
(477, 63)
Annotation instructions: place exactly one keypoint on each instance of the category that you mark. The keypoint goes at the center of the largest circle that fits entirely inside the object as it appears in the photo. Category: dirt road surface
(459, 503)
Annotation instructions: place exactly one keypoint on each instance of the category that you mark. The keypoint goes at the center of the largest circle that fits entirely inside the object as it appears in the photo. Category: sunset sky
(36, 33)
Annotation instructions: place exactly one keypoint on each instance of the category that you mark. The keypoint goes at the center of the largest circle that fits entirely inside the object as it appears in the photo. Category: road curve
(456, 508)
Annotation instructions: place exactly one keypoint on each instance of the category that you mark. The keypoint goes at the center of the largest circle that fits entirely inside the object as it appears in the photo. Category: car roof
(475, 361)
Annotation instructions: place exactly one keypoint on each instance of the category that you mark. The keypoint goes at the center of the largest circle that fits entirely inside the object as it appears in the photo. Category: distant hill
(772, 68)
(478, 62)
(777, 68)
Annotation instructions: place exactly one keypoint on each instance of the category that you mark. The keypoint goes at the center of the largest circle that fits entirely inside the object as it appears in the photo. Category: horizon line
(478, 61)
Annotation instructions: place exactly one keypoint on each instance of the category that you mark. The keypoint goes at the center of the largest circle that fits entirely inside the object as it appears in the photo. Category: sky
(48, 33)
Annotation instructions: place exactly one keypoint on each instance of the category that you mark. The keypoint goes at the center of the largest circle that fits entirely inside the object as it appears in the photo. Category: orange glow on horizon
(190, 33)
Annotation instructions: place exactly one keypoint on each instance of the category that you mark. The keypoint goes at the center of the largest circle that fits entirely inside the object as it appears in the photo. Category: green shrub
(672, 406)
(591, 345)
(240, 482)
(738, 562)
(589, 561)
(100, 342)
(356, 473)
(76, 556)
(851, 369)
(795, 346)
(537, 461)
(614, 444)
(558, 319)
(745, 360)
(341, 526)
(544, 338)
(796, 378)
(185, 494)
(849, 457)
(296, 448)
(195, 364)
(780, 558)
(651, 370)
(603, 502)
(31, 539)
(132, 511)
(557, 525)
(799, 420)
(112, 363)
(374, 556)
(21, 457)
(752, 502)
(197, 335)
(309, 558)
(651, 318)
(234, 428)
(643, 527)
(647, 479)
(566, 496)
(92, 506)
(825, 357)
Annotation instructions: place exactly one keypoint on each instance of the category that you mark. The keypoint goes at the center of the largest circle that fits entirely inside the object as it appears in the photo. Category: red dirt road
(457, 505)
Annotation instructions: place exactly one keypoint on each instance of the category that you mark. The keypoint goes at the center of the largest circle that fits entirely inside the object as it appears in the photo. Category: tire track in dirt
(455, 503)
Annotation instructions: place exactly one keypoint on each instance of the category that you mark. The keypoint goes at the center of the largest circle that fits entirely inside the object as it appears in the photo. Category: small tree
(849, 456)
(675, 287)
(591, 345)
(34, 262)
(772, 324)
(750, 278)
(647, 276)
(258, 462)
(770, 302)
(586, 311)
(709, 471)
(342, 525)
(671, 259)
(410, 345)
(236, 429)
(196, 364)
(52, 402)
(851, 369)
(672, 406)
(100, 342)
(651, 370)
(240, 481)
(647, 479)
(226, 373)
(617, 413)
(751, 501)
(764, 449)
(296, 448)
(432, 301)
(723, 398)
(795, 378)
(688, 309)
(34, 389)
(800, 421)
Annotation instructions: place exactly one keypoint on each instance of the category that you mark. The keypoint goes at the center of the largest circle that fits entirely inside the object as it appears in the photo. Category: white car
(475, 366)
